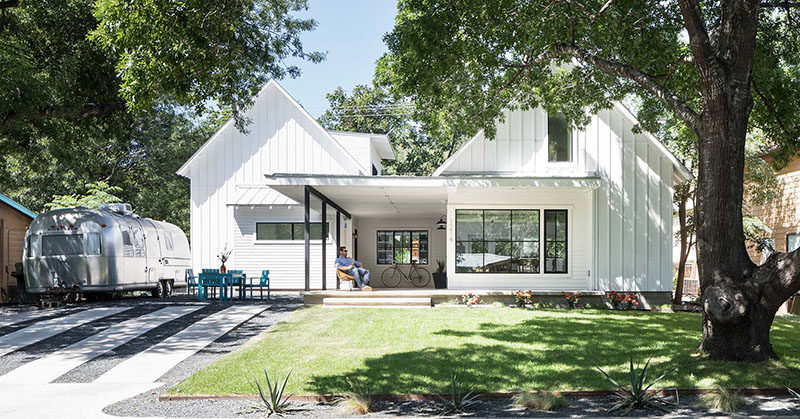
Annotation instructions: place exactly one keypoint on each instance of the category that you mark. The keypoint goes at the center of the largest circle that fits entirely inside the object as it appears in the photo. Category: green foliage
(97, 193)
(193, 52)
(441, 266)
(723, 400)
(459, 397)
(540, 401)
(374, 110)
(638, 395)
(275, 400)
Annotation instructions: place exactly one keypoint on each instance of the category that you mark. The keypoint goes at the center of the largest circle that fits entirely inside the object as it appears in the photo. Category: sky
(351, 31)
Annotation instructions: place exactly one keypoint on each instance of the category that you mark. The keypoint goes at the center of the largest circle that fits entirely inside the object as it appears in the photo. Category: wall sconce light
(440, 225)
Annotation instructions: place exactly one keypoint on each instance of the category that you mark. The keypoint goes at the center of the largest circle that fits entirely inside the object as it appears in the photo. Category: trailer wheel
(167, 288)
(159, 291)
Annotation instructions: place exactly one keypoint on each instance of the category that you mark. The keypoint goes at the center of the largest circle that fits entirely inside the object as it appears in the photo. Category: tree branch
(672, 69)
(769, 106)
(63, 112)
(615, 68)
(782, 4)
(703, 51)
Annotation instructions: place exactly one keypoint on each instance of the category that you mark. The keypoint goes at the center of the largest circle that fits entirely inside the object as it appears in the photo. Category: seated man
(353, 268)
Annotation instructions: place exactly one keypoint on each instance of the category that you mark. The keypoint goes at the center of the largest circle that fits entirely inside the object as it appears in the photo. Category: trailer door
(153, 250)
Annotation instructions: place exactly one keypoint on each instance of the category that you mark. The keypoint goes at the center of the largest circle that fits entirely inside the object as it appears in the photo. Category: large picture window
(555, 241)
(289, 231)
(497, 241)
(402, 247)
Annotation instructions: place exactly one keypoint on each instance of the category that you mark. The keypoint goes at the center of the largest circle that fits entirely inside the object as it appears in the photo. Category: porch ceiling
(392, 196)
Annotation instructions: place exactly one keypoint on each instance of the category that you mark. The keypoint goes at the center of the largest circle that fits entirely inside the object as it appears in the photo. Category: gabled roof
(349, 159)
(17, 206)
(683, 174)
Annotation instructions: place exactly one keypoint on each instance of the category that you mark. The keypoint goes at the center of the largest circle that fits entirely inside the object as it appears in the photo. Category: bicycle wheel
(391, 277)
(420, 277)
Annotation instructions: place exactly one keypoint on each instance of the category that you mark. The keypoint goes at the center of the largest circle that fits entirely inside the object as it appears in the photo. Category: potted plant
(223, 257)
(440, 276)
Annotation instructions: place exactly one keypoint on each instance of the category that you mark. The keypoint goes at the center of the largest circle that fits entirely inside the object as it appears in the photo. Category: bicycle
(417, 276)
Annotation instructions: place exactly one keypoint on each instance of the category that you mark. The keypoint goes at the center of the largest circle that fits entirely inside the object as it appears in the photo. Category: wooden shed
(14, 218)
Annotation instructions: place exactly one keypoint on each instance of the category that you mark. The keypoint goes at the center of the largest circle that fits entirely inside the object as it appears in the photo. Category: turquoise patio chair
(191, 282)
(263, 282)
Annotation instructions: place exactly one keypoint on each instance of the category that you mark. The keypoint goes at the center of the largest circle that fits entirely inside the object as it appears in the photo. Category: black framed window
(289, 231)
(792, 242)
(402, 247)
(492, 241)
(555, 241)
(559, 139)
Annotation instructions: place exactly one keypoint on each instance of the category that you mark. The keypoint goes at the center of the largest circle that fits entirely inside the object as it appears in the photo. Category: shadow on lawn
(559, 353)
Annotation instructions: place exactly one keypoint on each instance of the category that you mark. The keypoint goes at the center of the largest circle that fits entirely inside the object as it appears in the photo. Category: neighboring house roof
(17, 206)
(349, 160)
(682, 172)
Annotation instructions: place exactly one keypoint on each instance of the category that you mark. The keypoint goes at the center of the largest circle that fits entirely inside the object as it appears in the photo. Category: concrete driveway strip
(148, 365)
(48, 328)
(64, 400)
(50, 367)
(9, 319)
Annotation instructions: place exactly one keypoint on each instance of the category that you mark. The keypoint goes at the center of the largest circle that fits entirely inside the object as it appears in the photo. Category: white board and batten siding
(282, 138)
(628, 219)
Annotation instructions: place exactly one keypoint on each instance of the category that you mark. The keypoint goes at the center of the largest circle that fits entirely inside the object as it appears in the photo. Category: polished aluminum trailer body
(105, 250)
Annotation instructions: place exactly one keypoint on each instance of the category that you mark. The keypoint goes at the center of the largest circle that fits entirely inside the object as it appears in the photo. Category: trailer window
(126, 237)
(62, 245)
(33, 245)
(168, 241)
(92, 244)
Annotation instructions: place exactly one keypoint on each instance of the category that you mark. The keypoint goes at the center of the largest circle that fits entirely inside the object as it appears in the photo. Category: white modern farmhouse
(542, 206)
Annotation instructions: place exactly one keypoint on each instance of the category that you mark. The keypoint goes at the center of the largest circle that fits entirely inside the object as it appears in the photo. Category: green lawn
(494, 349)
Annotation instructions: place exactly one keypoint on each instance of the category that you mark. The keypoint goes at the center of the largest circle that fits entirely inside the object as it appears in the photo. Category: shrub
(723, 400)
(470, 299)
(357, 401)
(571, 298)
(523, 298)
(623, 301)
(540, 401)
(638, 396)
(459, 399)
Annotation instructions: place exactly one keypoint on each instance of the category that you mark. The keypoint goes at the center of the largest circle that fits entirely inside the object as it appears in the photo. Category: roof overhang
(392, 196)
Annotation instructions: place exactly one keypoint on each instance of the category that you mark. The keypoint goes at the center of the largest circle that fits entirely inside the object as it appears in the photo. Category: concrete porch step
(362, 301)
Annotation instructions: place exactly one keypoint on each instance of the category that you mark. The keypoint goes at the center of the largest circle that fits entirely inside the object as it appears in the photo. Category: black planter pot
(440, 280)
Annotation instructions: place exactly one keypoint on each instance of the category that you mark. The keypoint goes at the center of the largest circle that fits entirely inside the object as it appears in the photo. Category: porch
(412, 219)
(437, 297)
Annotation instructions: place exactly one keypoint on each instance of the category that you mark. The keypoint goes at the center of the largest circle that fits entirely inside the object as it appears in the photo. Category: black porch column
(324, 240)
(308, 237)
(338, 240)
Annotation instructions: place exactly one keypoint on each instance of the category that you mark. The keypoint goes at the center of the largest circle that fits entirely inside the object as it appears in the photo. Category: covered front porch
(412, 219)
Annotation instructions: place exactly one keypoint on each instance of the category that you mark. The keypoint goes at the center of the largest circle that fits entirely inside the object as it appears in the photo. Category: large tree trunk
(739, 299)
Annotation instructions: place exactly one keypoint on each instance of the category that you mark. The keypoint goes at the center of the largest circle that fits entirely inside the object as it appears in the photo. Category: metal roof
(17, 206)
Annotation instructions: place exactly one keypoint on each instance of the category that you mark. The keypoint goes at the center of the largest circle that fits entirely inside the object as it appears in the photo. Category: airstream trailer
(106, 250)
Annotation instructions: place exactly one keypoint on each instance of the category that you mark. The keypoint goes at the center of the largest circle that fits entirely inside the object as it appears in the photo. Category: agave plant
(275, 399)
(794, 394)
(459, 400)
(638, 395)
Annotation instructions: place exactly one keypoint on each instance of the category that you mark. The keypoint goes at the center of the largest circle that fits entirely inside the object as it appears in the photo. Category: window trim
(566, 241)
(787, 240)
(291, 228)
(569, 208)
(396, 229)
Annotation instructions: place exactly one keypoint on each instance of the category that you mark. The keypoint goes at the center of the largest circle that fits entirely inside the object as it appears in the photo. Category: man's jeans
(360, 275)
